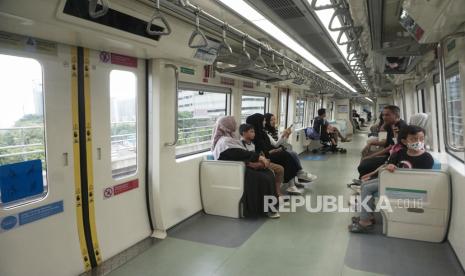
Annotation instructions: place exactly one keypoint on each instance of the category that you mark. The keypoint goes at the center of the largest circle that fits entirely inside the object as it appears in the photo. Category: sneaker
(273, 215)
(307, 177)
(293, 190)
(298, 185)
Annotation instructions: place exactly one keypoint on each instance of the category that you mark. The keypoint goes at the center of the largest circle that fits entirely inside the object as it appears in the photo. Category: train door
(41, 230)
(118, 112)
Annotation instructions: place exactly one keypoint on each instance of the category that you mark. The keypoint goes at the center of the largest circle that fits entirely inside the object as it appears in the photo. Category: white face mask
(417, 146)
(395, 140)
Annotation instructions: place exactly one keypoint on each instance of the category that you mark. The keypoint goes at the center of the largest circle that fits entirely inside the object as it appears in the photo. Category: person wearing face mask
(413, 156)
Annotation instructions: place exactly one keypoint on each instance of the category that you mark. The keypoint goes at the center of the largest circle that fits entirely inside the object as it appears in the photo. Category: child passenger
(414, 156)
(247, 132)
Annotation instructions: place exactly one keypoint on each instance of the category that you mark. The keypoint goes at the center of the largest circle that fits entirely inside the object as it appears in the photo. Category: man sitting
(328, 134)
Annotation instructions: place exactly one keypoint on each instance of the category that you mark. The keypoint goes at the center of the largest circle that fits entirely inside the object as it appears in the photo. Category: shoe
(293, 190)
(298, 185)
(306, 177)
(273, 215)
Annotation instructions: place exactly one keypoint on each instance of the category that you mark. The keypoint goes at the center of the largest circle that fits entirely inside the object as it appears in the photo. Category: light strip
(366, 98)
(249, 13)
(325, 18)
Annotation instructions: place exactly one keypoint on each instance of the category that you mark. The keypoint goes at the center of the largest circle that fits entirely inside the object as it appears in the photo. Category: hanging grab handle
(260, 61)
(224, 43)
(284, 72)
(198, 32)
(157, 15)
(274, 65)
(324, 7)
(244, 47)
(93, 12)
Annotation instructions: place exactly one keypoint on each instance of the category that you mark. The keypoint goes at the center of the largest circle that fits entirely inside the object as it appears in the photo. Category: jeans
(295, 156)
(369, 188)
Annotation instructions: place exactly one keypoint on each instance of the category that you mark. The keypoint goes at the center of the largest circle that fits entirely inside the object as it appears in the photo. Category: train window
(283, 107)
(198, 109)
(22, 126)
(454, 112)
(123, 120)
(253, 103)
(300, 110)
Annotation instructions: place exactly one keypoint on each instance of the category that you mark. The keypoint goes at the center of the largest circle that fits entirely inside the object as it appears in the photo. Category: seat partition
(221, 187)
(420, 202)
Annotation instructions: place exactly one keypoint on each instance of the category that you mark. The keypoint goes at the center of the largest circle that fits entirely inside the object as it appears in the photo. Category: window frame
(39, 197)
(265, 95)
(119, 177)
(304, 111)
(286, 118)
(450, 71)
(202, 88)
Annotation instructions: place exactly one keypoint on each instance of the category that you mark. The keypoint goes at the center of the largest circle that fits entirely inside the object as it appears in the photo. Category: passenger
(276, 155)
(327, 132)
(414, 156)
(276, 141)
(392, 123)
(259, 181)
(360, 119)
(376, 128)
(247, 132)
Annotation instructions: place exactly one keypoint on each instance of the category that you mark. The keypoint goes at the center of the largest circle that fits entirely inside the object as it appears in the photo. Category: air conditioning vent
(284, 8)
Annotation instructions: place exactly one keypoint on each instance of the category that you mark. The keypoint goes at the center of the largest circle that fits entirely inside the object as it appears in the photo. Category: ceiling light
(249, 13)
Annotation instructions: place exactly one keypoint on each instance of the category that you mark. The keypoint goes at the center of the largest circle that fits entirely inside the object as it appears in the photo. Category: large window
(198, 109)
(253, 103)
(283, 107)
(300, 110)
(123, 119)
(22, 127)
(454, 112)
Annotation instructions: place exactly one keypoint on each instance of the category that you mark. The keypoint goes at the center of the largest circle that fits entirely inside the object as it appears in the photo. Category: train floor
(299, 243)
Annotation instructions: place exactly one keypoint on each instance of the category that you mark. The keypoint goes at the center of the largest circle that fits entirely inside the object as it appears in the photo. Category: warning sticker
(107, 57)
(120, 188)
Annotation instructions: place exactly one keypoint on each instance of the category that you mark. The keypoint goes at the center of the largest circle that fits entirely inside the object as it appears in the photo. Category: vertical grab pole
(176, 76)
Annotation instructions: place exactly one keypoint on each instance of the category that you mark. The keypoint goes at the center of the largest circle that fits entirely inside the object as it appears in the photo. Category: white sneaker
(293, 190)
(312, 176)
(273, 215)
(307, 177)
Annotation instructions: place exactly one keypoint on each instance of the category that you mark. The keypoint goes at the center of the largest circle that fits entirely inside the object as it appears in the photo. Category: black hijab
(261, 141)
(270, 129)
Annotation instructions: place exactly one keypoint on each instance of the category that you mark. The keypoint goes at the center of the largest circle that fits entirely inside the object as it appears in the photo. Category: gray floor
(216, 230)
(299, 243)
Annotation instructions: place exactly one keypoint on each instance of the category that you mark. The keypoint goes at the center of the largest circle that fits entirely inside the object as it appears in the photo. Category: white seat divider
(221, 187)
(420, 202)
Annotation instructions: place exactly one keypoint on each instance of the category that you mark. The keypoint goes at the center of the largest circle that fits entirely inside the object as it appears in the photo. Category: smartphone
(290, 126)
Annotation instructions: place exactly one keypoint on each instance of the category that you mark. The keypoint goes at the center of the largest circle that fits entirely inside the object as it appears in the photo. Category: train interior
(107, 109)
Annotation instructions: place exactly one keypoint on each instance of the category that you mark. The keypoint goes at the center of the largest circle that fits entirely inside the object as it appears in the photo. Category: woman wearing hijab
(276, 155)
(259, 181)
(276, 141)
